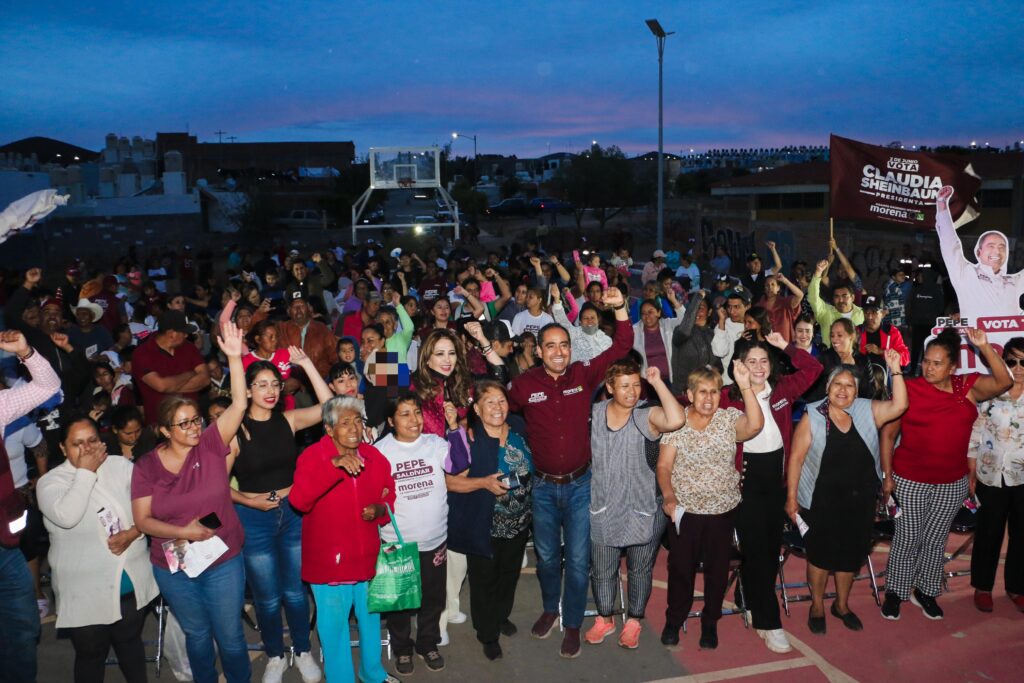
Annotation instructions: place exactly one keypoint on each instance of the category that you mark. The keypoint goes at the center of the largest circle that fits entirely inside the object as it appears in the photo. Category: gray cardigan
(863, 422)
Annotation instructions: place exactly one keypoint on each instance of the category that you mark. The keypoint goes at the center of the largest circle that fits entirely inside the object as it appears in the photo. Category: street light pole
(476, 172)
(660, 35)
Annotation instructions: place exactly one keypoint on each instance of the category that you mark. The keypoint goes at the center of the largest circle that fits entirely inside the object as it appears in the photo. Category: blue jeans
(333, 605)
(209, 607)
(562, 511)
(273, 560)
(19, 619)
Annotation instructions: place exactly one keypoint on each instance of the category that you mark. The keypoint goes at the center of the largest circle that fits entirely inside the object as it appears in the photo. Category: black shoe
(927, 604)
(708, 636)
(850, 620)
(670, 635)
(815, 624)
(492, 650)
(507, 628)
(404, 665)
(434, 660)
(891, 607)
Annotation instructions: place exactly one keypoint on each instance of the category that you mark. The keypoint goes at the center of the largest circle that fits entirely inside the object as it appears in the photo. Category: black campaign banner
(883, 184)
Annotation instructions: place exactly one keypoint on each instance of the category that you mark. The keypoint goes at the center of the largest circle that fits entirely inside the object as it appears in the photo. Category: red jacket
(337, 544)
(890, 339)
(557, 411)
(788, 389)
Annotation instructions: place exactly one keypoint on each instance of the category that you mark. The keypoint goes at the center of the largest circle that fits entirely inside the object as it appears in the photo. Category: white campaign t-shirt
(421, 497)
(525, 322)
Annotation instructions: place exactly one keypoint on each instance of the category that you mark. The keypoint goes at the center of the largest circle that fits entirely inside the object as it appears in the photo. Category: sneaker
(457, 618)
(444, 640)
(630, 636)
(44, 607)
(891, 607)
(308, 668)
(542, 627)
(276, 666)
(928, 605)
(570, 643)
(983, 601)
(404, 665)
(492, 650)
(434, 660)
(849, 619)
(709, 636)
(508, 629)
(775, 640)
(670, 635)
(601, 629)
(388, 678)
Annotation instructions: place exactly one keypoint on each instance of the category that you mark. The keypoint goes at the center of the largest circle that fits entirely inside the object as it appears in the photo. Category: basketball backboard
(405, 168)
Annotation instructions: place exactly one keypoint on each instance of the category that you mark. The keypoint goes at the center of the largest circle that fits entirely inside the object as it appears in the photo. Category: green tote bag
(396, 586)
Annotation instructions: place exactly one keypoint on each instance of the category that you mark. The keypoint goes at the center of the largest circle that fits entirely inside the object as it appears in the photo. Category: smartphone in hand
(210, 521)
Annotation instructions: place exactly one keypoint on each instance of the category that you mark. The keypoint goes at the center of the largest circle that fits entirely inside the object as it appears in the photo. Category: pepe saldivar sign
(878, 183)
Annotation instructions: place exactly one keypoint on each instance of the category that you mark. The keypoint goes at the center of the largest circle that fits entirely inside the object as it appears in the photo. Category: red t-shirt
(936, 431)
(151, 358)
(199, 488)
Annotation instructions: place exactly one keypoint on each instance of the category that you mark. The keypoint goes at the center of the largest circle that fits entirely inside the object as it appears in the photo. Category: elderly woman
(181, 496)
(101, 575)
(834, 473)
(928, 470)
(624, 513)
(997, 479)
(489, 513)
(343, 486)
(698, 478)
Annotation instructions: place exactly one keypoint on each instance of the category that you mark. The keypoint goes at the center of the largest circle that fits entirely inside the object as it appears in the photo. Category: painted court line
(740, 671)
(832, 673)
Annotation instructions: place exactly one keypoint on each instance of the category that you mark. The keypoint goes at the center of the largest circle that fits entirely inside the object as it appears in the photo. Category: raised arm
(302, 418)
(844, 262)
(776, 261)
(887, 411)
(949, 242)
(45, 382)
(819, 307)
(798, 294)
(752, 421)
(476, 331)
(408, 327)
(622, 342)
(689, 318)
(563, 274)
(669, 416)
(230, 342)
(504, 291)
(1000, 381)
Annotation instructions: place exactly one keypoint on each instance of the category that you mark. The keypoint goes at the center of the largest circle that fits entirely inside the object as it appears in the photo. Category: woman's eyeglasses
(196, 421)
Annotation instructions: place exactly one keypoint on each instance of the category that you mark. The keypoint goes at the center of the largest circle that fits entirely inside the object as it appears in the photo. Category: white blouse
(997, 441)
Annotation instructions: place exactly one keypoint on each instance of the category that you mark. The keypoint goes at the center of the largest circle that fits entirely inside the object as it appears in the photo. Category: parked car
(550, 205)
(305, 218)
(513, 206)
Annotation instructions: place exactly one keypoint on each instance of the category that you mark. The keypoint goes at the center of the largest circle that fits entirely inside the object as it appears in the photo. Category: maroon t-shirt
(199, 488)
(149, 357)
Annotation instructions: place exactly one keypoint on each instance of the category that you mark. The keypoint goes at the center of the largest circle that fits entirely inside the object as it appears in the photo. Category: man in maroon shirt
(555, 400)
(166, 364)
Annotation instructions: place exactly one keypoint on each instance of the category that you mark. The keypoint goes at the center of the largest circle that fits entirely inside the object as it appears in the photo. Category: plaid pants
(918, 553)
(604, 573)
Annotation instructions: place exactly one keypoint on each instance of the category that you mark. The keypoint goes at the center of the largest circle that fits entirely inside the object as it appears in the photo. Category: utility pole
(660, 35)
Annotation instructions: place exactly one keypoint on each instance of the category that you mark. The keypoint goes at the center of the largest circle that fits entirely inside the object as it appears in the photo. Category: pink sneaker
(601, 629)
(630, 636)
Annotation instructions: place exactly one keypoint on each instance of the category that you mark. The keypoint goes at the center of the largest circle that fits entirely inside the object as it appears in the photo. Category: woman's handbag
(396, 585)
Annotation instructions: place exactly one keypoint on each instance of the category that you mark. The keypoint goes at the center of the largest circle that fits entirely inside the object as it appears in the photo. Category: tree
(471, 202)
(511, 187)
(600, 180)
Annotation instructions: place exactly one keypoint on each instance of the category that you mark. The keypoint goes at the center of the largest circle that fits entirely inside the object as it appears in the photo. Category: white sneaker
(444, 639)
(775, 640)
(457, 618)
(308, 668)
(276, 666)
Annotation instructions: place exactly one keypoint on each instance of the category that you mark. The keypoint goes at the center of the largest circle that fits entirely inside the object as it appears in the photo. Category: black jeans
(92, 643)
(706, 538)
(759, 519)
(492, 585)
(433, 577)
(1001, 507)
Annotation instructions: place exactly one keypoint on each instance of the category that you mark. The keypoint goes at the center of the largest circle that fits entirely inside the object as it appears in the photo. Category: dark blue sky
(524, 76)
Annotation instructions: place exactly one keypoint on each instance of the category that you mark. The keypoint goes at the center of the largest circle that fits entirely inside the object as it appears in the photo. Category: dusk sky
(526, 77)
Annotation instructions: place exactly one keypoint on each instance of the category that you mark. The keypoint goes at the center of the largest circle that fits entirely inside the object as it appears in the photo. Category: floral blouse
(704, 477)
(997, 441)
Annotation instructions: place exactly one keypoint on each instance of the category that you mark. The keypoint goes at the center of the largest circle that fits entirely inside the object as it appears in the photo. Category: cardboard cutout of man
(984, 289)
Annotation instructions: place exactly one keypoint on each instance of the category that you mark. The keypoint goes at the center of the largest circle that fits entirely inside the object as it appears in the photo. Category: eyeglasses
(196, 421)
(1014, 362)
(263, 386)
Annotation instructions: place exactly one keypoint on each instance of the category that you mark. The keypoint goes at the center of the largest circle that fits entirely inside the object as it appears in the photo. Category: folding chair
(793, 544)
(735, 577)
(965, 522)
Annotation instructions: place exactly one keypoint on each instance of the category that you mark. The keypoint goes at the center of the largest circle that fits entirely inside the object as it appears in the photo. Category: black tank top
(266, 454)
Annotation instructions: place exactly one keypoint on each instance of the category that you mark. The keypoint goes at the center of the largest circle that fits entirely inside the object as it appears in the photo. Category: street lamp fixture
(455, 136)
(660, 35)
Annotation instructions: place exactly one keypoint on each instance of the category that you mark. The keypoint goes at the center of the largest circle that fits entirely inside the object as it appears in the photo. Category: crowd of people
(261, 426)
